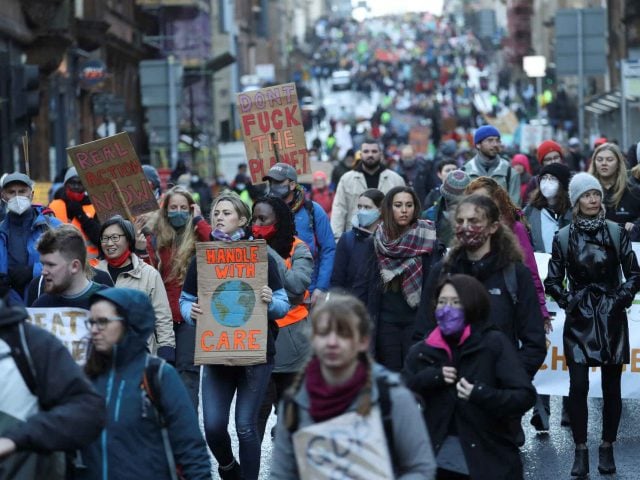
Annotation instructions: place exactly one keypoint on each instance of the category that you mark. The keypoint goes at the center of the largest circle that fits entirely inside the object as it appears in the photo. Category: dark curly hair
(282, 241)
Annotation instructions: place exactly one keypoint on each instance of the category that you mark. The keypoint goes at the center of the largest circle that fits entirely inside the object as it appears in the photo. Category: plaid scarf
(403, 257)
(225, 237)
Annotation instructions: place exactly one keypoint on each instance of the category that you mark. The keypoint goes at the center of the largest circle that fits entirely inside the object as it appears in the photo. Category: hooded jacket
(131, 444)
(502, 389)
(500, 173)
(66, 413)
(145, 278)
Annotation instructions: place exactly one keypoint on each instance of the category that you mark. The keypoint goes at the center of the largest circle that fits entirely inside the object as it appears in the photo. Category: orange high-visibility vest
(59, 209)
(297, 312)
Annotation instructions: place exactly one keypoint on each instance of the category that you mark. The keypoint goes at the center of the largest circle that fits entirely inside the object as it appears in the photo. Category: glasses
(115, 238)
(452, 302)
(101, 322)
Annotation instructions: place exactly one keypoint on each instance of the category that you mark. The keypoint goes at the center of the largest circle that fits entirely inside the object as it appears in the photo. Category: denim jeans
(219, 384)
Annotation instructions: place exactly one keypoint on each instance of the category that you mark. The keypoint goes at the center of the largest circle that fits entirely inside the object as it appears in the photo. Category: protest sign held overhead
(67, 324)
(113, 176)
(272, 129)
(233, 327)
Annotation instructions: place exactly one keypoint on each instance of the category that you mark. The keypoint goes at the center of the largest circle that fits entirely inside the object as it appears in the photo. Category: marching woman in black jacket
(468, 374)
(590, 253)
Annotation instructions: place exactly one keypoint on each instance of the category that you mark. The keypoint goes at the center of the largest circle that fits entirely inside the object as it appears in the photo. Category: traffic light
(25, 93)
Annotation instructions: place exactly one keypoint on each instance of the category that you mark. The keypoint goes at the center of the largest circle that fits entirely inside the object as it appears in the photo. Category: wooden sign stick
(25, 150)
(122, 201)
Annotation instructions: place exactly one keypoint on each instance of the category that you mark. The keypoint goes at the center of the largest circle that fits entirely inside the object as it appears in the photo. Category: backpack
(385, 413)
(15, 337)
(151, 384)
(511, 281)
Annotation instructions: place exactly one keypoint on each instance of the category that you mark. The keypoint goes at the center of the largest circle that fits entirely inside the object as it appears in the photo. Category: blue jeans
(219, 384)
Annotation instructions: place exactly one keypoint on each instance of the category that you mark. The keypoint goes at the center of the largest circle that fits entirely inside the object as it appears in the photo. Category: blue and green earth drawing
(232, 303)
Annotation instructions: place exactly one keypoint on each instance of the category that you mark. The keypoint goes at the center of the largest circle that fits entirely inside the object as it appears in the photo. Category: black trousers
(393, 341)
(611, 395)
(278, 384)
(185, 350)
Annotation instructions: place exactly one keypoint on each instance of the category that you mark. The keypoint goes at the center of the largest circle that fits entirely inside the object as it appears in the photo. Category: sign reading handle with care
(233, 327)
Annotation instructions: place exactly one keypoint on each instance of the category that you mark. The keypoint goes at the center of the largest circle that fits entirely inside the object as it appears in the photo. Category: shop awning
(607, 102)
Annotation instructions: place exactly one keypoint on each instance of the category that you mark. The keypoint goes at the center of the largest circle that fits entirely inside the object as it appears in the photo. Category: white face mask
(549, 188)
(19, 205)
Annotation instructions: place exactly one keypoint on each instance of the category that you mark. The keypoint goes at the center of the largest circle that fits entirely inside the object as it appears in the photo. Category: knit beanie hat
(454, 185)
(484, 132)
(558, 170)
(546, 147)
(581, 183)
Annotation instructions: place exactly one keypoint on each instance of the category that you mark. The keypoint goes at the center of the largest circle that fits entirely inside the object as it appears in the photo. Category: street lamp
(535, 66)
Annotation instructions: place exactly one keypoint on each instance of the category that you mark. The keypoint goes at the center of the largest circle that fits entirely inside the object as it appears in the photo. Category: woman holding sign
(382, 433)
(591, 253)
(470, 378)
(230, 217)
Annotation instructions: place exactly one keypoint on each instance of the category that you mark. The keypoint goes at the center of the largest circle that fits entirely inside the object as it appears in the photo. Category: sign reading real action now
(110, 170)
(272, 130)
(232, 329)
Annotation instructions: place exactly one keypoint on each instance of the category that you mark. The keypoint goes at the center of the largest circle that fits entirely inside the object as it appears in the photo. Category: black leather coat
(595, 329)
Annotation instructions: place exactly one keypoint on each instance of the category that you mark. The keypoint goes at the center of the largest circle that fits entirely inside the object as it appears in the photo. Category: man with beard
(312, 225)
(370, 173)
(64, 270)
(488, 163)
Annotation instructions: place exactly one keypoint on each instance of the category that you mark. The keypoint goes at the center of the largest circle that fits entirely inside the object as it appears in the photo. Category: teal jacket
(131, 446)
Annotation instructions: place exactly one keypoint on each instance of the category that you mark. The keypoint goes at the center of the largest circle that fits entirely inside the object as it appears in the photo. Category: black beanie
(558, 170)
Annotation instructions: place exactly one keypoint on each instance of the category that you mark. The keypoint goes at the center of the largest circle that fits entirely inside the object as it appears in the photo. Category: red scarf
(328, 401)
(119, 261)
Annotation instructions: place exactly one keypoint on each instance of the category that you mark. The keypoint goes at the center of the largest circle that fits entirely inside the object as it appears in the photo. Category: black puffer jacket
(521, 321)
(595, 329)
(502, 390)
(628, 210)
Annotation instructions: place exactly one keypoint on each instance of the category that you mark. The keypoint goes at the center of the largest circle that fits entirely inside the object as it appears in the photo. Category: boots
(606, 464)
(230, 472)
(580, 467)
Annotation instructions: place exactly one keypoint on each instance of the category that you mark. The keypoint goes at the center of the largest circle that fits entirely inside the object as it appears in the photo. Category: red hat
(547, 147)
(319, 175)
(599, 141)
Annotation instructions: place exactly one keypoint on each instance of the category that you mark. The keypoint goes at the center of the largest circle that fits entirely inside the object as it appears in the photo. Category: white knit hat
(581, 183)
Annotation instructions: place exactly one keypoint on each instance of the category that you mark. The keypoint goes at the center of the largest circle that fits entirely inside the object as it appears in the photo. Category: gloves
(167, 353)
(74, 210)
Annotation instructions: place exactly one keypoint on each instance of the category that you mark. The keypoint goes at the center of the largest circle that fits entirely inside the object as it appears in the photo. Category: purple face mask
(450, 320)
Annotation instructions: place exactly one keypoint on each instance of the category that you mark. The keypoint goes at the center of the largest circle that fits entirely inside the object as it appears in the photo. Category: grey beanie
(581, 183)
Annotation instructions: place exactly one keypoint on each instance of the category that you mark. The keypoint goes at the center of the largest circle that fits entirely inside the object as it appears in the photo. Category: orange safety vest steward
(297, 312)
(59, 209)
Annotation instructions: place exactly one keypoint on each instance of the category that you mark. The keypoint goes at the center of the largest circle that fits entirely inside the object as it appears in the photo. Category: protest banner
(112, 174)
(419, 139)
(232, 329)
(272, 129)
(553, 376)
(348, 446)
(67, 324)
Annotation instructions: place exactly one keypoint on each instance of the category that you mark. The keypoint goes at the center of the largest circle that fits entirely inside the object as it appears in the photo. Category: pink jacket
(522, 235)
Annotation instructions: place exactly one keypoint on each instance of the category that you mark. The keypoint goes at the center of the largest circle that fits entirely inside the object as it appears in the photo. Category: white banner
(68, 325)
(553, 376)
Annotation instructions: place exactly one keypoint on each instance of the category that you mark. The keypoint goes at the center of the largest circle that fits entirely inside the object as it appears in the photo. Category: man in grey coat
(488, 163)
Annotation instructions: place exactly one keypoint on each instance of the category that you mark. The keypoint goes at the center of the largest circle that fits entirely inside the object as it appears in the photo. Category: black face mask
(278, 191)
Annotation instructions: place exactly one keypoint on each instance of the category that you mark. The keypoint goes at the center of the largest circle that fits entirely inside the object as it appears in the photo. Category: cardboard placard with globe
(233, 327)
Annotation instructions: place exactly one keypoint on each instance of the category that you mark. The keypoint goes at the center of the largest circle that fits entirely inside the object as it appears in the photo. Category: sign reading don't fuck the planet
(233, 327)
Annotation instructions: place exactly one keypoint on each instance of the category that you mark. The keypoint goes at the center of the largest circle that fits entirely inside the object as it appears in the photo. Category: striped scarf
(403, 257)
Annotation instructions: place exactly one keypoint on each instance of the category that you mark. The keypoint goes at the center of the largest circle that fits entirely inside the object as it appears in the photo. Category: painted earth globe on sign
(232, 303)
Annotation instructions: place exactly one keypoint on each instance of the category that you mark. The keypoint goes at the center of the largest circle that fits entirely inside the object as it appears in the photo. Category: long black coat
(521, 322)
(595, 328)
(502, 390)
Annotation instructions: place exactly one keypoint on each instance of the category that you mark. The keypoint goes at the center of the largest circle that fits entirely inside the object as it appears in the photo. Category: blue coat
(41, 224)
(130, 446)
(351, 252)
(322, 244)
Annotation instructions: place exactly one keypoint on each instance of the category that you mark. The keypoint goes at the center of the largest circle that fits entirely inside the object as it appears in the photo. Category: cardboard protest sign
(112, 174)
(233, 327)
(272, 129)
(419, 139)
(67, 324)
(347, 446)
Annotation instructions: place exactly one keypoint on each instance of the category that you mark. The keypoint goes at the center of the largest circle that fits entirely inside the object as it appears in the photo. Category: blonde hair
(620, 183)
(183, 244)
(241, 208)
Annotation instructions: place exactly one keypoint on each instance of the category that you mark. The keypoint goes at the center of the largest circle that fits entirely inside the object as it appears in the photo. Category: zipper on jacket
(103, 436)
(118, 399)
